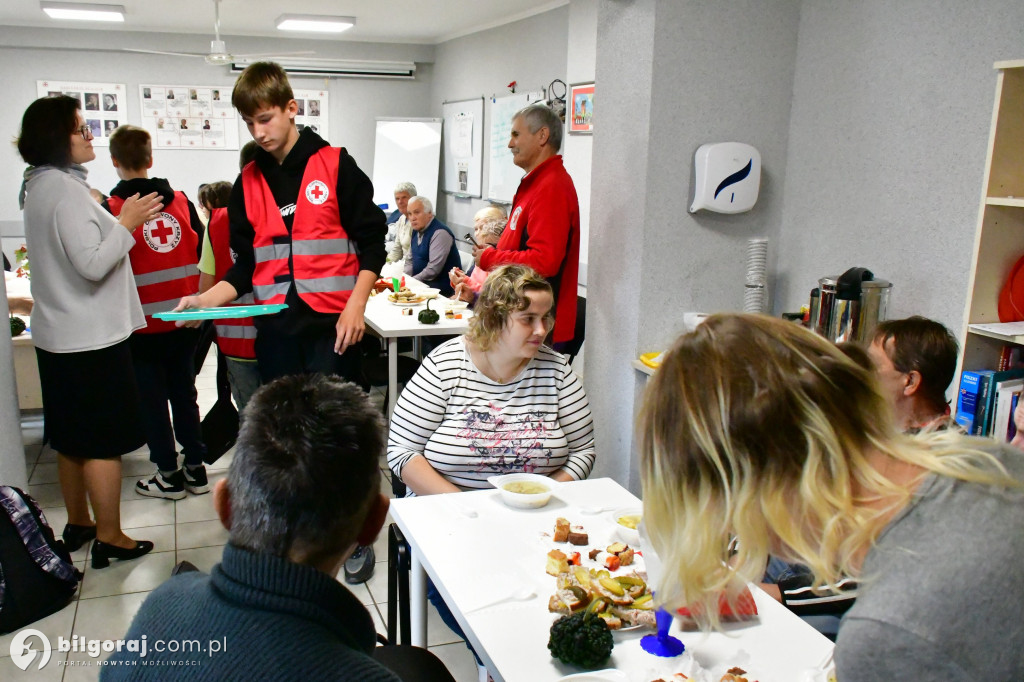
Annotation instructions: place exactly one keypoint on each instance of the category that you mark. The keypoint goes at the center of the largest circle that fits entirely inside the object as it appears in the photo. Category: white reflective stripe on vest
(245, 299)
(323, 284)
(160, 306)
(235, 331)
(168, 275)
(321, 247)
(265, 292)
(272, 252)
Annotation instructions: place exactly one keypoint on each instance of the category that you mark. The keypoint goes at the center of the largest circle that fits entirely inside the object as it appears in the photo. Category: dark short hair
(925, 346)
(46, 129)
(131, 146)
(215, 194)
(247, 154)
(306, 468)
(262, 84)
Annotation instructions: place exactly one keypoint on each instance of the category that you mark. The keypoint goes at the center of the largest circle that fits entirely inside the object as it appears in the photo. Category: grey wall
(531, 51)
(892, 103)
(682, 74)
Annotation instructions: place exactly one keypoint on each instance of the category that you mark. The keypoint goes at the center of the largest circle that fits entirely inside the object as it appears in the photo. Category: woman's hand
(137, 210)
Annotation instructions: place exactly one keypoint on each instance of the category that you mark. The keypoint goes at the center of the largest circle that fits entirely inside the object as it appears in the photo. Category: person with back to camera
(306, 233)
(302, 492)
(432, 250)
(488, 224)
(86, 307)
(758, 430)
(400, 249)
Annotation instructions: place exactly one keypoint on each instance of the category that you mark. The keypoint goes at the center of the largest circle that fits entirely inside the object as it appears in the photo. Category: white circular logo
(22, 655)
(162, 233)
(515, 218)
(317, 192)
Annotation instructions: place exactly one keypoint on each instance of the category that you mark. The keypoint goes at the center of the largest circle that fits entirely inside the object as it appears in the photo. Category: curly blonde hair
(506, 291)
(758, 430)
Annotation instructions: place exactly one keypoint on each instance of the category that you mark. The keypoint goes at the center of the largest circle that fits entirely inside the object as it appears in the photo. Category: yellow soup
(630, 521)
(525, 487)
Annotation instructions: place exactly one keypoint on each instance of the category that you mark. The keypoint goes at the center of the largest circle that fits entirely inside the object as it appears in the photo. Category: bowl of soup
(524, 491)
(626, 520)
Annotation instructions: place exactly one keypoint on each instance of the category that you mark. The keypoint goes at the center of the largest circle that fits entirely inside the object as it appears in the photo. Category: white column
(12, 453)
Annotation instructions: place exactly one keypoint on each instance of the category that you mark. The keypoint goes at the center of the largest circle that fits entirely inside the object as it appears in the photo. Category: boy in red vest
(305, 232)
(164, 263)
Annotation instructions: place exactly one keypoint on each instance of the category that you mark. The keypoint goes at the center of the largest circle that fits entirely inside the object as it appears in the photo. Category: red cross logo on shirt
(317, 192)
(162, 233)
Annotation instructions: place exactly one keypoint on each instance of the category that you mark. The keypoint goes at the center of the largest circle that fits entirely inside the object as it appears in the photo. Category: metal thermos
(850, 306)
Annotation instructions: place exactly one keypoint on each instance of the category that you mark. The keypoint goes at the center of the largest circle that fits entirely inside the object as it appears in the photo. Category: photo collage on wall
(312, 111)
(189, 116)
(104, 106)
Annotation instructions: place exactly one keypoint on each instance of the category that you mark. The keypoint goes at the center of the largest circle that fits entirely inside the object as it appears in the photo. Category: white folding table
(475, 549)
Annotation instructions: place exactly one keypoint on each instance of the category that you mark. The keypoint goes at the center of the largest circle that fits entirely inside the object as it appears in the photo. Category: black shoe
(359, 566)
(102, 553)
(168, 487)
(195, 480)
(76, 536)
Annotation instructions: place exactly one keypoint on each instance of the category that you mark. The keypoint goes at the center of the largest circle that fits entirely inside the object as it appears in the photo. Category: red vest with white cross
(324, 265)
(164, 261)
(236, 337)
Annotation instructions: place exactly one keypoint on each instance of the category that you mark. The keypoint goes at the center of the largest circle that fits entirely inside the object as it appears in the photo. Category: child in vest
(164, 264)
(306, 233)
(236, 337)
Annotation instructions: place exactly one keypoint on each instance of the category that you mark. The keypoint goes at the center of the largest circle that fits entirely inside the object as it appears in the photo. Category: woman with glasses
(494, 401)
(86, 307)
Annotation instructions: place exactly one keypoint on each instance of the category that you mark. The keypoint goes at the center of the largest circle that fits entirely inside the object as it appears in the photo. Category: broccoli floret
(581, 639)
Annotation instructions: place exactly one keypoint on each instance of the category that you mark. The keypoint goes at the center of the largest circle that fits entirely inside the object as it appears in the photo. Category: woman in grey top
(86, 306)
(757, 430)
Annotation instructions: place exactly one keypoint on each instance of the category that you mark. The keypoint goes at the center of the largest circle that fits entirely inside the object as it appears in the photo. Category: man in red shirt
(544, 225)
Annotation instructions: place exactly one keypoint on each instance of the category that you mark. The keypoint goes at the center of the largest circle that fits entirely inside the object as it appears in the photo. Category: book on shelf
(986, 405)
(1004, 406)
(1011, 431)
(1010, 357)
(967, 398)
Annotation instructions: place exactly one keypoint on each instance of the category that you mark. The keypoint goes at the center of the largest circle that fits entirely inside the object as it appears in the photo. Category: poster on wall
(582, 108)
(312, 111)
(189, 116)
(104, 105)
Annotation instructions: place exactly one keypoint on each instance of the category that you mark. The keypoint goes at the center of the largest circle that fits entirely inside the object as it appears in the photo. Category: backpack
(37, 577)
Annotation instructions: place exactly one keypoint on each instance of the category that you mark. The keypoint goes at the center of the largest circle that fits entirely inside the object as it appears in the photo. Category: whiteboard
(504, 176)
(406, 150)
(463, 147)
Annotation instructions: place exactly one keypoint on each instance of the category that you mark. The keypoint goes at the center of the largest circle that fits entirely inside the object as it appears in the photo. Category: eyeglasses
(85, 131)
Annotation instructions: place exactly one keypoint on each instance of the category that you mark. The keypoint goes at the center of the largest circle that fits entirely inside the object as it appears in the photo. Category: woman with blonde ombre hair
(759, 437)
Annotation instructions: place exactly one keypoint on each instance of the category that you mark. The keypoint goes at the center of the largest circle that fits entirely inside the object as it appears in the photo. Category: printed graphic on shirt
(515, 218)
(316, 192)
(162, 234)
(506, 442)
(233, 253)
(287, 210)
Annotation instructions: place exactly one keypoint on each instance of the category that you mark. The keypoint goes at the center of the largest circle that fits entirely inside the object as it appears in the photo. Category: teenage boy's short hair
(261, 85)
(306, 470)
(215, 194)
(247, 153)
(131, 147)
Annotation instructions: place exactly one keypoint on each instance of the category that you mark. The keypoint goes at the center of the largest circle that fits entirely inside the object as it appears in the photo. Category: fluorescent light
(81, 11)
(314, 23)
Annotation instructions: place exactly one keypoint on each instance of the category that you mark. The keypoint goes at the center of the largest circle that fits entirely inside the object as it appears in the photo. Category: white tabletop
(386, 318)
(474, 559)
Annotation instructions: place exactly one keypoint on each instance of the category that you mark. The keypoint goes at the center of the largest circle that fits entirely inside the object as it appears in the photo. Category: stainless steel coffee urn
(848, 307)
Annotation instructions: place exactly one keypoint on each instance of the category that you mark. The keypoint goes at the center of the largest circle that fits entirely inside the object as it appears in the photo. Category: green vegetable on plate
(581, 639)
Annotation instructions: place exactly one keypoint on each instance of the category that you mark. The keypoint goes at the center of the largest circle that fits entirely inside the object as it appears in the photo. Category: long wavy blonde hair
(756, 430)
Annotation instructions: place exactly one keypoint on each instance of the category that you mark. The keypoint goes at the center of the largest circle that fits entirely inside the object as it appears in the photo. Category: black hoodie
(144, 186)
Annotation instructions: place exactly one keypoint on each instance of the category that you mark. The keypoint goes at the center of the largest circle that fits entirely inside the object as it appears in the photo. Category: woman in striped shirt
(494, 401)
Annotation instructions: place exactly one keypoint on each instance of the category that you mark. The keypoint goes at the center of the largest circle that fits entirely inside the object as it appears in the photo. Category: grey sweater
(942, 595)
(82, 283)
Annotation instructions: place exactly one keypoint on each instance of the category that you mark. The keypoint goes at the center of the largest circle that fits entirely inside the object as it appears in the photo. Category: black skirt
(91, 402)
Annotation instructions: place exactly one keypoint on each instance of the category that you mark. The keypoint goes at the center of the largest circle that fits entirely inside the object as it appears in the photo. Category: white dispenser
(728, 177)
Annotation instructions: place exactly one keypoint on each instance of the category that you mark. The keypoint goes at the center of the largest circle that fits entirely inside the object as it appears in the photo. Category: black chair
(572, 348)
(375, 364)
(399, 566)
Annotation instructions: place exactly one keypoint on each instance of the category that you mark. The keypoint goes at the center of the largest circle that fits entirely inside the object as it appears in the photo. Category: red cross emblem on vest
(317, 192)
(162, 233)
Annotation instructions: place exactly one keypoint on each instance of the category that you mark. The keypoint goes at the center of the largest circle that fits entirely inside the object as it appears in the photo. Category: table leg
(392, 374)
(418, 601)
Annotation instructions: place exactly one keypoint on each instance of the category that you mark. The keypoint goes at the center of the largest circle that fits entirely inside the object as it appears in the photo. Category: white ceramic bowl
(631, 536)
(456, 305)
(524, 500)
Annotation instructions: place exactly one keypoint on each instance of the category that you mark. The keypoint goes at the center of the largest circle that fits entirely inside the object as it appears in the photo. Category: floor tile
(146, 511)
(52, 672)
(45, 472)
(47, 454)
(378, 582)
(458, 659)
(107, 617)
(201, 534)
(55, 625)
(204, 558)
(162, 537)
(46, 495)
(360, 591)
(81, 667)
(135, 468)
(197, 507)
(222, 463)
(437, 632)
(122, 577)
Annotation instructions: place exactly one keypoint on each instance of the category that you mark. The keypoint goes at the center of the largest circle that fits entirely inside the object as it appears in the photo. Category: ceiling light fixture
(314, 23)
(83, 11)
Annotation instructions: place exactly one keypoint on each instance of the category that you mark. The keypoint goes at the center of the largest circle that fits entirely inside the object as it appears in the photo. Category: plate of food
(626, 520)
(406, 297)
(524, 491)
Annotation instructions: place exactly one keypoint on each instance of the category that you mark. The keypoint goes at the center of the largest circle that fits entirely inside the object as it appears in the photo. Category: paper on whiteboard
(189, 116)
(312, 111)
(104, 105)
(462, 137)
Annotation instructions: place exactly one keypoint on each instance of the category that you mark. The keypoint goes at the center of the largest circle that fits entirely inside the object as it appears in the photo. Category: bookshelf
(999, 236)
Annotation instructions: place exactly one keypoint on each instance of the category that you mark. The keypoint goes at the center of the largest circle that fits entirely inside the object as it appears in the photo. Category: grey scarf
(76, 169)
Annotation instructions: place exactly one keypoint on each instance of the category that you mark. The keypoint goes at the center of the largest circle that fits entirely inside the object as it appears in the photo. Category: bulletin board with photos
(189, 116)
(312, 112)
(104, 105)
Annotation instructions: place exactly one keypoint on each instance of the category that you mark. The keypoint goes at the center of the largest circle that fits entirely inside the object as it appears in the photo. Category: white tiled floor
(181, 530)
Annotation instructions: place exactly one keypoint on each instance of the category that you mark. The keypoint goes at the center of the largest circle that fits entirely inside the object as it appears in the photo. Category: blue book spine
(967, 400)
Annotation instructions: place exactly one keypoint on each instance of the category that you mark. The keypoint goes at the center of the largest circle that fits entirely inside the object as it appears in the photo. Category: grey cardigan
(82, 282)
